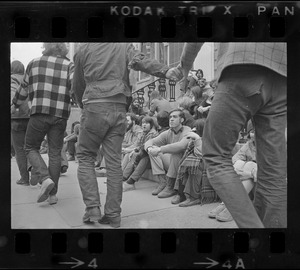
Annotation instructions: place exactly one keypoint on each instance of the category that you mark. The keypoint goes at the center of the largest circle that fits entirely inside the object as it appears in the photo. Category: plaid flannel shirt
(47, 82)
(270, 55)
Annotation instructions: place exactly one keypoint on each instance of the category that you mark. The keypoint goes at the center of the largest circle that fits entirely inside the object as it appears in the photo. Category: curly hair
(55, 49)
(17, 68)
(185, 102)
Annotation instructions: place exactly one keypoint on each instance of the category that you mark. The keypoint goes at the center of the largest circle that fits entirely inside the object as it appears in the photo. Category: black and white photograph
(154, 135)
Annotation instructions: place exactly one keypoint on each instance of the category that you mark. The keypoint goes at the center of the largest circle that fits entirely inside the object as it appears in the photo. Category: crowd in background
(161, 139)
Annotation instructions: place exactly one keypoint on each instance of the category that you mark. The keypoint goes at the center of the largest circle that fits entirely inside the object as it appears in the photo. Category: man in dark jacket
(101, 86)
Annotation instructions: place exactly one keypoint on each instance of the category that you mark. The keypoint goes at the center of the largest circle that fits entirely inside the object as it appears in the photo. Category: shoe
(23, 182)
(168, 191)
(224, 216)
(52, 199)
(177, 199)
(71, 158)
(47, 186)
(63, 169)
(189, 202)
(128, 187)
(112, 221)
(92, 214)
(161, 186)
(213, 213)
(100, 173)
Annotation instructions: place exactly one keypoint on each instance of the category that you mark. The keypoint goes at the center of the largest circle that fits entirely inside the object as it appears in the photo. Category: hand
(174, 74)
(154, 150)
(192, 135)
(12, 109)
(254, 174)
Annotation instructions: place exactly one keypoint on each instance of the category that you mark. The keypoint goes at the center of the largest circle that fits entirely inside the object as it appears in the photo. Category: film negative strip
(154, 232)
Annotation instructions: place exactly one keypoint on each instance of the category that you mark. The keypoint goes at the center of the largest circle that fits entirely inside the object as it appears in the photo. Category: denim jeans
(101, 124)
(243, 92)
(136, 172)
(54, 127)
(18, 131)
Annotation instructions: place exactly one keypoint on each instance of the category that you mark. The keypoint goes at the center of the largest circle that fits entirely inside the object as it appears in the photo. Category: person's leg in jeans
(142, 166)
(112, 150)
(36, 131)
(71, 148)
(93, 128)
(236, 99)
(18, 131)
(55, 137)
(270, 198)
(64, 159)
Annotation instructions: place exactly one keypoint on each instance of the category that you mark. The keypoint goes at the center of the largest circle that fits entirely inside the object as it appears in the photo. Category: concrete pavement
(140, 209)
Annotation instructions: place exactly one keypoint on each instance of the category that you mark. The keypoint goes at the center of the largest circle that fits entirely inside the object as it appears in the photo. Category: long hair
(55, 49)
(197, 92)
(199, 125)
(148, 119)
(17, 68)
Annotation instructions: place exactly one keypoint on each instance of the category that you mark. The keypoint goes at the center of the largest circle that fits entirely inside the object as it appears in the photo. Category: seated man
(132, 135)
(139, 157)
(165, 143)
(244, 163)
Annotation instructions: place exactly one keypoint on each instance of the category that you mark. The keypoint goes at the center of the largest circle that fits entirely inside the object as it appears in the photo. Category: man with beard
(133, 133)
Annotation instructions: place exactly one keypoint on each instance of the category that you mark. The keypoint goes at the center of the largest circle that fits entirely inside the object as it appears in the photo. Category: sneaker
(47, 186)
(92, 214)
(114, 222)
(176, 199)
(52, 199)
(189, 202)
(23, 182)
(224, 216)
(128, 187)
(213, 213)
(63, 169)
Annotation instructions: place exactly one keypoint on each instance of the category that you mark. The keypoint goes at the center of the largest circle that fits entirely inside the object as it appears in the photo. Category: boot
(168, 191)
(162, 184)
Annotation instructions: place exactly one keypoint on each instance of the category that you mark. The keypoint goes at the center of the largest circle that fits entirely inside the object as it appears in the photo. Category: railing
(160, 84)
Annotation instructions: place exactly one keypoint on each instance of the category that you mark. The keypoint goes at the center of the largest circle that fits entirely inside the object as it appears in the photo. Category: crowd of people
(192, 150)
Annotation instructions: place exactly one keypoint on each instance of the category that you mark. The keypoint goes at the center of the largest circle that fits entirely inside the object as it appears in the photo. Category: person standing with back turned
(101, 87)
(252, 84)
(47, 83)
